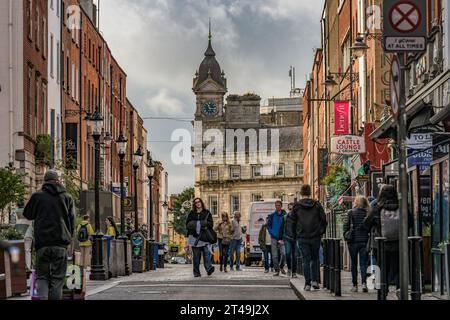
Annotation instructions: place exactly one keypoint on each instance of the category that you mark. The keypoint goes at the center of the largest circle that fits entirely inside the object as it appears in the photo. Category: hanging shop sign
(417, 142)
(441, 146)
(341, 118)
(348, 145)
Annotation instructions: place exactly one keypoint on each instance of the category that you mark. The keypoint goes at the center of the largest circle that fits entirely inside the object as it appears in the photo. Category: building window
(234, 203)
(36, 105)
(256, 171)
(278, 170)
(30, 99)
(30, 19)
(38, 28)
(51, 56)
(213, 174)
(58, 62)
(256, 197)
(44, 37)
(299, 169)
(235, 172)
(213, 204)
(346, 51)
(44, 109)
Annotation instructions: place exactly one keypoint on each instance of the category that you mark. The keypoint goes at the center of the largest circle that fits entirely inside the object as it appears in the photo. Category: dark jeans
(393, 268)
(268, 252)
(358, 249)
(224, 254)
(219, 242)
(51, 267)
(309, 249)
(197, 254)
(291, 255)
(235, 247)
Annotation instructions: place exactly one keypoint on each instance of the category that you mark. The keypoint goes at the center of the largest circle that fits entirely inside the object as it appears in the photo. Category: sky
(161, 43)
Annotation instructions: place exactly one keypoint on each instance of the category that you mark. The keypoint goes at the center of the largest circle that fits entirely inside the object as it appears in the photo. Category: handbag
(349, 235)
(210, 234)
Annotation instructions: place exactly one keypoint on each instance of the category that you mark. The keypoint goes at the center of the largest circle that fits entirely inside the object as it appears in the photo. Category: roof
(210, 67)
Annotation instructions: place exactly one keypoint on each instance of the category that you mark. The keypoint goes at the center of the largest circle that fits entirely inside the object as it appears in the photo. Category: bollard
(381, 259)
(325, 264)
(332, 266)
(337, 267)
(415, 256)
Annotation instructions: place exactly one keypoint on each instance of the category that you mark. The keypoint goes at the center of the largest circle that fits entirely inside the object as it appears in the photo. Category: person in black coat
(357, 244)
(199, 220)
(388, 200)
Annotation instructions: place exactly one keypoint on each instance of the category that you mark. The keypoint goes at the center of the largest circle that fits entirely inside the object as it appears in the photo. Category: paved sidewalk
(346, 283)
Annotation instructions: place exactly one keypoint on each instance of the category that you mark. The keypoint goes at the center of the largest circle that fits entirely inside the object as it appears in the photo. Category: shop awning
(421, 121)
(385, 130)
(441, 115)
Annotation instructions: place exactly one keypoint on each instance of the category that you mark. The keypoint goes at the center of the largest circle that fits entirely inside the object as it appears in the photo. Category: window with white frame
(213, 205)
(51, 56)
(213, 173)
(346, 51)
(256, 197)
(278, 170)
(234, 203)
(30, 19)
(299, 169)
(256, 171)
(235, 172)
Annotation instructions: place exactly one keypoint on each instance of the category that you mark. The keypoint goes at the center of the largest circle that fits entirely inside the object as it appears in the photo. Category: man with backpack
(84, 233)
(274, 226)
(53, 212)
(310, 223)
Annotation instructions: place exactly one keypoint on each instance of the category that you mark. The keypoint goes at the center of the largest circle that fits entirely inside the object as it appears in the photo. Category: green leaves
(179, 217)
(12, 188)
(337, 182)
(11, 234)
(43, 151)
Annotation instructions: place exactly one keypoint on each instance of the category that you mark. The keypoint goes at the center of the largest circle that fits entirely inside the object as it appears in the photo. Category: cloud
(160, 44)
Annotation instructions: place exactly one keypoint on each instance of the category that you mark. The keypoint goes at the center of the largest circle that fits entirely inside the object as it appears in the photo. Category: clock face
(209, 108)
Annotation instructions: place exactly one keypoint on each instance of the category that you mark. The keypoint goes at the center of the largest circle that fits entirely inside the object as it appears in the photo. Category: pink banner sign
(341, 118)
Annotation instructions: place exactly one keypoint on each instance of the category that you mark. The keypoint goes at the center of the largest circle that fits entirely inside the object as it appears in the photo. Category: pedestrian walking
(383, 220)
(357, 237)
(290, 243)
(84, 234)
(236, 242)
(111, 227)
(265, 242)
(309, 223)
(274, 226)
(53, 212)
(225, 232)
(199, 223)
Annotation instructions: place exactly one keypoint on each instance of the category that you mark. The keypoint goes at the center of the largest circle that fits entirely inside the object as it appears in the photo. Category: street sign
(348, 145)
(395, 86)
(404, 28)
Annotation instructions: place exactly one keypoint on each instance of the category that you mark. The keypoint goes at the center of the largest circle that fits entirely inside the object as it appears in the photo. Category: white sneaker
(315, 285)
(354, 289)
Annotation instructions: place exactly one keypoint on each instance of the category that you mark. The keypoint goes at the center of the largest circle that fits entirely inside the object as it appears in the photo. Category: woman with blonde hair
(357, 236)
(224, 231)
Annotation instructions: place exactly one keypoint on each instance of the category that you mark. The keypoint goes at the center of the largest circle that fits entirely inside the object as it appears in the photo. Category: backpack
(83, 234)
(390, 224)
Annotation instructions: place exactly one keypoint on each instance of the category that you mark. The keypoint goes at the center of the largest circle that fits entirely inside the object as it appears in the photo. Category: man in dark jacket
(53, 212)
(274, 227)
(310, 223)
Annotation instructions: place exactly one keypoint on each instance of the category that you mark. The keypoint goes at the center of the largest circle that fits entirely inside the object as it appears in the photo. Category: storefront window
(436, 205)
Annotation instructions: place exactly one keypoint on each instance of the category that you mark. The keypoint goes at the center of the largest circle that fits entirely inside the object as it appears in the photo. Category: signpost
(404, 31)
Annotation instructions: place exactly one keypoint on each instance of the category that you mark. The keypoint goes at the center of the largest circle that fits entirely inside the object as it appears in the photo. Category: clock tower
(210, 87)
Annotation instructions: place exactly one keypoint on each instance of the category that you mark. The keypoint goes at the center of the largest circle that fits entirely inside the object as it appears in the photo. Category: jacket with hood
(287, 227)
(275, 224)
(308, 219)
(53, 212)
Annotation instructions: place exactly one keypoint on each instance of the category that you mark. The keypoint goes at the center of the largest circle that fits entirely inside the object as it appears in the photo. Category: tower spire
(209, 35)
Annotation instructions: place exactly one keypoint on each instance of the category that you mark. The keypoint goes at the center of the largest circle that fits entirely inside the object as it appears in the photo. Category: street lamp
(151, 173)
(95, 121)
(137, 238)
(359, 47)
(137, 159)
(122, 150)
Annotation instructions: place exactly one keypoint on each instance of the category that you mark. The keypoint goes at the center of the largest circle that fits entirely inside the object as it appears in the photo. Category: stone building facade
(230, 181)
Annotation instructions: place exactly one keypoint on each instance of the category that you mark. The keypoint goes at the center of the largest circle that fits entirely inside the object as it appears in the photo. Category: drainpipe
(11, 90)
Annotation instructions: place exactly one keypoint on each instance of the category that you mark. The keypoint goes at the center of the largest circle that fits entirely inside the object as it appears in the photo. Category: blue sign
(418, 142)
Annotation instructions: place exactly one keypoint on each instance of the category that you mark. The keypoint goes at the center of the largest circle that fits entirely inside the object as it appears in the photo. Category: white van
(257, 218)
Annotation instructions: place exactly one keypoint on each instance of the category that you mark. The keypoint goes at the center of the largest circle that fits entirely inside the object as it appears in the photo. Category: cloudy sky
(161, 43)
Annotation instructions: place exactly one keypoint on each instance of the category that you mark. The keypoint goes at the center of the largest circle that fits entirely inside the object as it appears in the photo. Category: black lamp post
(137, 238)
(150, 174)
(98, 272)
(122, 149)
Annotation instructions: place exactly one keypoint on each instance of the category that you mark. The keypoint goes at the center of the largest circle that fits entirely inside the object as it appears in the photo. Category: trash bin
(161, 255)
(148, 255)
(156, 254)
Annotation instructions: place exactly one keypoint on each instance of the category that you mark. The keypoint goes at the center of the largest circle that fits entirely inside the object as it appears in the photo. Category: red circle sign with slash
(405, 17)
(395, 86)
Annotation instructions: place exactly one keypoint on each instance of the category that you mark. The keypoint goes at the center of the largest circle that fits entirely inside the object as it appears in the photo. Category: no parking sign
(404, 26)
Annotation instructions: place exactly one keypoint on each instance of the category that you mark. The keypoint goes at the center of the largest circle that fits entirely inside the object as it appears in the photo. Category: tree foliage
(68, 178)
(12, 189)
(179, 217)
(337, 182)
